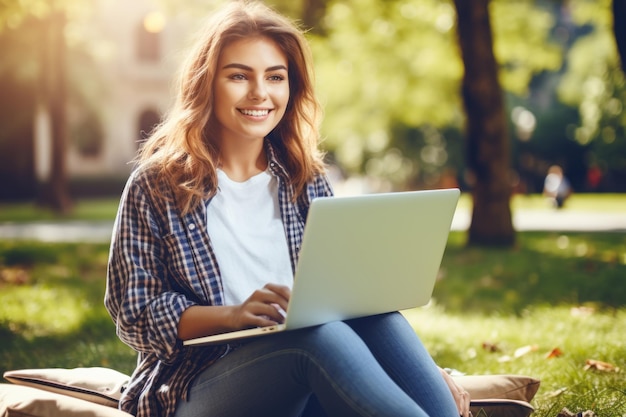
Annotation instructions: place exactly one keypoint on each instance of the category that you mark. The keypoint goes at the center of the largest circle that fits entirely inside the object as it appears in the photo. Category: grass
(88, 210)
(562, 292)
(51, 309)
(608, 203)
(104, 209)
(553, 293)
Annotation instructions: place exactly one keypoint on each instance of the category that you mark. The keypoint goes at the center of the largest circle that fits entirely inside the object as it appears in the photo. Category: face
(251, 89)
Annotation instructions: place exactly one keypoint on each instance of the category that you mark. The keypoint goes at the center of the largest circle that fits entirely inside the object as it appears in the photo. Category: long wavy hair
(182, 151)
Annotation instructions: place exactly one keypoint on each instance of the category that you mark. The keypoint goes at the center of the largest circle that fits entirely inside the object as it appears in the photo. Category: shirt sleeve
(138, 296)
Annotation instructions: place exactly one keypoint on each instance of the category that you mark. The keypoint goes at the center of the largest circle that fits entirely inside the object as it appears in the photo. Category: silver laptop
(363, 255)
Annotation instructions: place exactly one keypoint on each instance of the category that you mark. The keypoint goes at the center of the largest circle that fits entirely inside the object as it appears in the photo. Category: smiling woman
(252, 87)
(208, 236)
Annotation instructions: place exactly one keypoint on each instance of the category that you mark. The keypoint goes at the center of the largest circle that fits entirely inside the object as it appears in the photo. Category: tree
(54, 191)
(487, 146)
(48, 22)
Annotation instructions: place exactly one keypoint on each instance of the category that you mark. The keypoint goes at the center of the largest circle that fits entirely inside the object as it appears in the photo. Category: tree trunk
(487, 143)
(54, 191)
(619, 15)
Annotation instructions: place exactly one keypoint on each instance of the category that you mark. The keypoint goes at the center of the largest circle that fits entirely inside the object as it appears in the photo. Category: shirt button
(192, 226)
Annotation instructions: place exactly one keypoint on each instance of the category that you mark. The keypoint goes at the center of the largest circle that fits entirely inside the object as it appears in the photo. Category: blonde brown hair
(181, 151)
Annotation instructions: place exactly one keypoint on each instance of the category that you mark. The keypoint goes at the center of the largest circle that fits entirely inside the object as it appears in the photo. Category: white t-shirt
(248, 237)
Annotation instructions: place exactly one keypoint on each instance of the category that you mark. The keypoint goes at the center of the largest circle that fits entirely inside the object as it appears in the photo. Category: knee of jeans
(329, 337)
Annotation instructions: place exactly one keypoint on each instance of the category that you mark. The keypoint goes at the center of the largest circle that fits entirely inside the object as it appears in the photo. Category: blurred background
(82, 82)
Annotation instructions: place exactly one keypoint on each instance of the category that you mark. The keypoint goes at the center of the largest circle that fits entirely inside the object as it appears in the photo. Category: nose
(258, 91)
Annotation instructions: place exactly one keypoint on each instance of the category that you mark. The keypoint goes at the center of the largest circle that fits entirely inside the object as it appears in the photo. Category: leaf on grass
(597, 365)
(490, 347)
(554, 353)
(14, 276)
(519, 352)
(556, 393)
(582, 311)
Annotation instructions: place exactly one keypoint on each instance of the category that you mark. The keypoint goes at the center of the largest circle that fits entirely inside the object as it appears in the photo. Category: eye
(237, 77)
(276, 78)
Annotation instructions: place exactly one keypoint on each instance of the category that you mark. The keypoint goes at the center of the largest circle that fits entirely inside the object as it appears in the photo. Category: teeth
(255, 113)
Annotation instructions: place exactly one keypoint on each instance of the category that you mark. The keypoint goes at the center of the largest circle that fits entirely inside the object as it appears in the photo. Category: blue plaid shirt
(160, 264)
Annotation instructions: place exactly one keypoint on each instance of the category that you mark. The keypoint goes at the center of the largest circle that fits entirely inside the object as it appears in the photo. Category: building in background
(136, 51)
(120, 63)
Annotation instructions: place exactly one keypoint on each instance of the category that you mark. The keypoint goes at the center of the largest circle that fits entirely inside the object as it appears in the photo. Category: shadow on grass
(51, 308)
(544, 269)
(81, 347)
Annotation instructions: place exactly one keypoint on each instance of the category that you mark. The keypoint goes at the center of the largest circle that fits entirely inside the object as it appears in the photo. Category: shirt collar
(274, 165)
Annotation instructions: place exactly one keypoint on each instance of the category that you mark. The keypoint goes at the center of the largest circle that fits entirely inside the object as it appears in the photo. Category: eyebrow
(247, 68)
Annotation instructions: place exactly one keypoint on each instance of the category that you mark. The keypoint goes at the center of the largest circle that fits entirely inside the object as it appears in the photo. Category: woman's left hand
(461, 397)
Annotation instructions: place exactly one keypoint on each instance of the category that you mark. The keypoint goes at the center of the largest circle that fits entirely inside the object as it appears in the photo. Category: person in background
(556, 186)
(207, 238)
(594, 178)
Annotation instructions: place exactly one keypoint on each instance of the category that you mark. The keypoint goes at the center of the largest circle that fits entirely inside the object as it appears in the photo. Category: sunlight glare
(581, 249)
(154, 22)
(562, 242)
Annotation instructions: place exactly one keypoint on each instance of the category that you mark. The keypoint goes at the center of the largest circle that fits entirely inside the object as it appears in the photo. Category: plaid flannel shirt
(160, 264)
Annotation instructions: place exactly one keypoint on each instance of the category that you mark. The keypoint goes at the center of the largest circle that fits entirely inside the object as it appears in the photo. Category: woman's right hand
(265, 307)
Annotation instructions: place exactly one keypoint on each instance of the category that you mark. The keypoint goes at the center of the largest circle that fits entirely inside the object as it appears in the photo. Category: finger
(282, 292)
(259, 316)
(266, 311)
(461, 397)
(264, 321)
(465, 410)
(281, 311)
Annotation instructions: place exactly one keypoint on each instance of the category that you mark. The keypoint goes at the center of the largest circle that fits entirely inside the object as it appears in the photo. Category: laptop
(363, 255)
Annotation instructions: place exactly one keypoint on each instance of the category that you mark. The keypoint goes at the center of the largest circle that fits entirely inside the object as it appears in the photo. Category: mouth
(255, 113)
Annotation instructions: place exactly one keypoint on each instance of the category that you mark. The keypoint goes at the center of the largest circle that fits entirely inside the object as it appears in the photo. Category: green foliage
(383, 64)
(522, 43)
(388, 70)
(595, 83)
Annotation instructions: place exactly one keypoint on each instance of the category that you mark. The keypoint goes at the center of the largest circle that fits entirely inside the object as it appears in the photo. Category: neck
(240, 164)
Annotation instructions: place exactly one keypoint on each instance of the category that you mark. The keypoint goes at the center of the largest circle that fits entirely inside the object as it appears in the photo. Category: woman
(206, 240)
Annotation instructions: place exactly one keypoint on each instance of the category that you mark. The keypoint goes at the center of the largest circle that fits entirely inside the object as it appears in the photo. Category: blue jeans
(373, 366)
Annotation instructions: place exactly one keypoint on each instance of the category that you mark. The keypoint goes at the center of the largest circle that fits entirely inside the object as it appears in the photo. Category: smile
(255, 113)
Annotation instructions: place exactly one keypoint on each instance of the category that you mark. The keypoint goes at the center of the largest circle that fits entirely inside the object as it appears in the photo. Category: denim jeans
(373, 366)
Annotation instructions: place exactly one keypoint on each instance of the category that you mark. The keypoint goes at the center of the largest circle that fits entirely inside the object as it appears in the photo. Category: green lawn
(93, 209)
(104, 209)
(553, 291)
